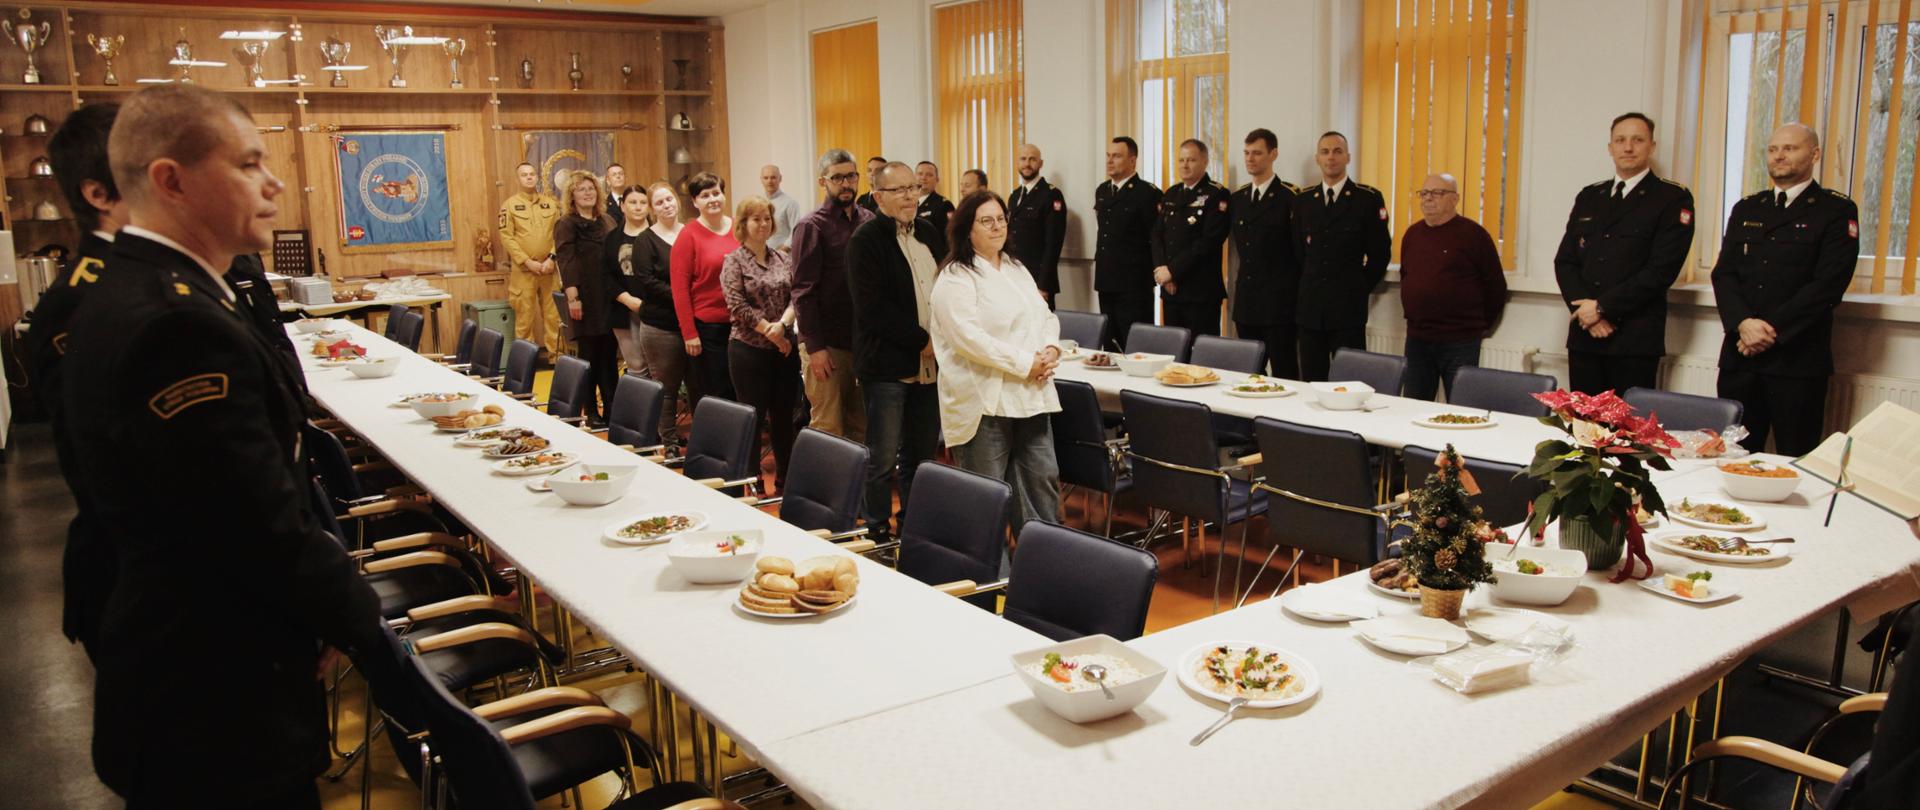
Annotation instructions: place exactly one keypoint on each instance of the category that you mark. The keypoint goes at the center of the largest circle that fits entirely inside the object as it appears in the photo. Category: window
(982, 97)
(1167, 81)
(1441, 89)
(846, 80)
(1834, 66)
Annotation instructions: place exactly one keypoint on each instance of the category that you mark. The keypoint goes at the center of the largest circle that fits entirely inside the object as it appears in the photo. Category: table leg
(433, 316)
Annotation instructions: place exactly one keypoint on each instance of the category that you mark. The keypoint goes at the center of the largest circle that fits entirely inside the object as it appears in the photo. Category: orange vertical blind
(979, 66)
(846, 91)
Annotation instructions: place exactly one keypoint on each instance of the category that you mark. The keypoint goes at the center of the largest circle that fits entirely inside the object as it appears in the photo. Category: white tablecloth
(330, 308)
(760, 680)
(1382, 733)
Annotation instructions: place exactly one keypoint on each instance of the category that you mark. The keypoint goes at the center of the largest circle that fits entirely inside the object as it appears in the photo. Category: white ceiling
(676, 8)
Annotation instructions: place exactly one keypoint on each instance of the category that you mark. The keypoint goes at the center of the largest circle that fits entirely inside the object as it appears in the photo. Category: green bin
(495, 315)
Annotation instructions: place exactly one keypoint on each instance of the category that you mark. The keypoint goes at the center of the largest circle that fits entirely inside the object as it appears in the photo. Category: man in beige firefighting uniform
(526, 227)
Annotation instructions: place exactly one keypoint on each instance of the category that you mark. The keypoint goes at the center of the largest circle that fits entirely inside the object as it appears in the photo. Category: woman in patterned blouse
(758, 283)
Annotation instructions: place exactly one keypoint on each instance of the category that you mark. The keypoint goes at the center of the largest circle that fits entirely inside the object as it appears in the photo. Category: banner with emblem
(557, 154)
(393, 191)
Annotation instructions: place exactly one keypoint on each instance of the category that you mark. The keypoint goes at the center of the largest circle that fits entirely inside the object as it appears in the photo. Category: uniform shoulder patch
(83, 273)
(187, 393)
(1059, 205)
(1300, 189)
(1838, 193)
(1601, 184)
(1677, 184)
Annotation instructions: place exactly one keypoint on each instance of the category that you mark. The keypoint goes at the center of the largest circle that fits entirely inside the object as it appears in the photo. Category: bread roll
(477, 421)
(817, 579)
(843, 565)
(779, 583)
(775, 565)
(846, 583)
(495, 409)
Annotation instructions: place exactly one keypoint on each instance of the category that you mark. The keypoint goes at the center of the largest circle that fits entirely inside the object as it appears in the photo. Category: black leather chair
(358, 491)
(1498, 390)
(572, 388)
(720, 445)
(957, 528)
(566, 321)
(1089, 329)
(1176, 468)
(1685, 411)
(1324, 495)
(407, 332)
(634, 417)
(392, 329)
(521, 362)
(1230, 354)
(1156, 339)
(824, 484)
(462, 357)
(1504, 493)
(1067, 583)
(489, 349)
(1086, 459)
(1384, 373)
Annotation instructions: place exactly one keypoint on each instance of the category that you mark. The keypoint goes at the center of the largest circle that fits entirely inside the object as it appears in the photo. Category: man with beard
(1037, 223)
(824, 306)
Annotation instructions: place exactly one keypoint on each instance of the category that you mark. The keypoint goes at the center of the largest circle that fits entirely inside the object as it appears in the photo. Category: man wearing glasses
(822, 303)
(1451, 288)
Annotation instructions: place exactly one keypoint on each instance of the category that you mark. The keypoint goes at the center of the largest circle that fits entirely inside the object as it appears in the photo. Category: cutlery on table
(1097, 674)
(1232, 706)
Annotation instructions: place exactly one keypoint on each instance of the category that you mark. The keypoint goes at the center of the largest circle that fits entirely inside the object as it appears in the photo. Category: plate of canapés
(1698, 587)
(491, 436)
(1457, 421)
(1708, 546)
(1713, 513)
(654, 527)
(535, 463)
(1267, 676)
(1101, 361)
(1258, 387)
(1393, 578)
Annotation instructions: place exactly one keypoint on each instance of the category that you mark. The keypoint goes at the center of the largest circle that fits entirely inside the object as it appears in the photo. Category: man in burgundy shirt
(822, 303)
(1452, 289)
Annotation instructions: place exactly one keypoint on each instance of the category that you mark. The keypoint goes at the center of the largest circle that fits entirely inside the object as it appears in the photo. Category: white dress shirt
(1793, 191)
(786, 212)
(988, 323)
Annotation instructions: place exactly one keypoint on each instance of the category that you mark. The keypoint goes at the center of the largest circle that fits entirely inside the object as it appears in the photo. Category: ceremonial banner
(393, 191)
(555, 154)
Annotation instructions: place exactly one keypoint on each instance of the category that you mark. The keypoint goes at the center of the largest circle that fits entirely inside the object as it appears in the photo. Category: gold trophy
(334, 52)
(183, 56)
(29, 38)
(455, 49)
(396, 50)
(108, 47)
(253, 54)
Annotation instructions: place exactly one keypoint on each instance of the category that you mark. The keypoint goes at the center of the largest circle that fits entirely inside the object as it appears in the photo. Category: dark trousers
(1594, 373)
(1283, 357)
(1792, 409)
(1123, 310)
(1429, 364)
(770, 382)
(1200, 319)
(903, 430)
(1318, 345)
(602, 353)
(302, 796)
(710, 368)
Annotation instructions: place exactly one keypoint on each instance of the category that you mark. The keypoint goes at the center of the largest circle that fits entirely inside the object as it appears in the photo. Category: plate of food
(427, 396)
(1258, 387)
(1698, 587)
(655, 527)
(1101, 361)
(816, 587)
(470, 419)
(514, 448)
(1706, 546)
(1646, 519)
(1182, 375)
(1712, 513)
(534, 464)
(1457, 421)
(1391, 578)
(1267, 676)
(490, 436)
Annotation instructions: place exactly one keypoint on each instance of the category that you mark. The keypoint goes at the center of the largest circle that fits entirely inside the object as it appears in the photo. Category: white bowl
(567, 484)
(429, 410)
(1089, 705)
(1140, 364)
(1537, 589)
(1755, 488)
(696, 556)
(309, 326)
(1352, 396)
(368, 368)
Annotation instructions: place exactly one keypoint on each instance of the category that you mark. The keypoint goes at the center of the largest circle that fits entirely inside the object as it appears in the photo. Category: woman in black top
(623, 286)
(578, 239)
(648, 296)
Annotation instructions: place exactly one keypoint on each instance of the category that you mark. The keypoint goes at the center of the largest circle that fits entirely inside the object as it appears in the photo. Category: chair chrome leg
(1107, 532)
(1255, 581)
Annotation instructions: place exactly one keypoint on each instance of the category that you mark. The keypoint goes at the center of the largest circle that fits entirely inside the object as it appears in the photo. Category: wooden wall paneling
(425, 68)
(696, 48)
(23, 191)
(151, 34)
(51, 58)
(719, 150)
(602, 52)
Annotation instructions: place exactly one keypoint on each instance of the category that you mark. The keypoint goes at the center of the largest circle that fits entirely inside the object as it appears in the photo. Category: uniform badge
(1059, 206)
(1192, 219)
(1853, 228)
(182, 288)
(1686, 217)
(1383, 215)
(1223, 206)
(83, 272)
(187, 393)
(503, 220)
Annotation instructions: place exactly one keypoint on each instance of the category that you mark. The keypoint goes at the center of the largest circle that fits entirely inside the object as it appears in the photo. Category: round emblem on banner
(393, 188)
(356, 233)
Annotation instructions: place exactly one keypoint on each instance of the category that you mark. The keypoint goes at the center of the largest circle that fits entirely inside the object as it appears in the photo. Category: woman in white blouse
(995, 339)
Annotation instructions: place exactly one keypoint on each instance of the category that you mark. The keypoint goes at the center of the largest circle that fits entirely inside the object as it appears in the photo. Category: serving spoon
(1232, 706)
(1097, 674)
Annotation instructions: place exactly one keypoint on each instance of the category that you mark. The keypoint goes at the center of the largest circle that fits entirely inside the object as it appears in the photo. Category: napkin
(1501, 625)
(1420, 633)
(1330, 601)
(1470, 671)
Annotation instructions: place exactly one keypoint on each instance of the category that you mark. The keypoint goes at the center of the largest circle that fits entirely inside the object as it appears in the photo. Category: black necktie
(1256, 195)
(1619, 190)
(1329, 198)
(1780, 200)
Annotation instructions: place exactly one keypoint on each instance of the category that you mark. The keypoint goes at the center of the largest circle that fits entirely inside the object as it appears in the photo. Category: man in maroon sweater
(1452, 289)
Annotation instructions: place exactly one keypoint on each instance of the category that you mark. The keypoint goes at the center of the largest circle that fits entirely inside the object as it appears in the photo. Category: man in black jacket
(1340, 232)
(194, 460)
(891, 264)
(1187, 236)
(1625, 242)
(1269, 281)
(1126, 207)
(1785, 262)
(867, 200)
(932, 206)
(1037, 224)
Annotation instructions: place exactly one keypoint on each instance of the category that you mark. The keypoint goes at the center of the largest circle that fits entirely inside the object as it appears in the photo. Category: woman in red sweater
(697, 297)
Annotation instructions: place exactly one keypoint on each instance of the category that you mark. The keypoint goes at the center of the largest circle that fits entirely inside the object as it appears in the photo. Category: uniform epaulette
(1288, 186)
(1837, 193)
(1680, 185)
(1364, 187)
(1302, 189)
(1761, 194)
(1601, 184)
(1247, 187)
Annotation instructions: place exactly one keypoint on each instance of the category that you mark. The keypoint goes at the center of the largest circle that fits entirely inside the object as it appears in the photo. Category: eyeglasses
(894, 189)
(991, 222)
(849, 177)
(1433, 193)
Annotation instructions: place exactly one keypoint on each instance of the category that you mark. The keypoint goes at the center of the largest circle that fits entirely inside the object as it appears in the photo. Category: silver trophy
(526, 72)
(183, 56)
(335, 52)
(626, 76)
(574, 73)
(253, 54)
(108, 47)
(29, 38)
(396, 52)
(455, 49)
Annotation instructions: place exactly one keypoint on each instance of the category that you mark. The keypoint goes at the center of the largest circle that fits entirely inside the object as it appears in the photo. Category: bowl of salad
(592, 484)
(1536, 576)
(1057, 676)
(715, 557)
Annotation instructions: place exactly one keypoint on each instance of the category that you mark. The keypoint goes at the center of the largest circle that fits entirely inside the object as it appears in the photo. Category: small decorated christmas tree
(1447, 550)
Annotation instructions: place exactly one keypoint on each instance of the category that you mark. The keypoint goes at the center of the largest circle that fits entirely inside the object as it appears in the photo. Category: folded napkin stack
(1418, 635)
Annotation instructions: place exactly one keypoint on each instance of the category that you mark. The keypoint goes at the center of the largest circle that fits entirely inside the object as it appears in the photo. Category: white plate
(454, 429)
(1091, 367)
(696, 522)
(566, 460)
(1189, 385)
(1072, 356)
(494, 451)
(1497, 623)
(802, 614)
(1375, 587)
(1309, 677)
(1775, 551)
(468, 439)
(1235, 392)
(1673, 511)
(1396, 649)
(1291, 599)
(1720, 591)
(539, 485)
(1652, 521)
(1427, 422)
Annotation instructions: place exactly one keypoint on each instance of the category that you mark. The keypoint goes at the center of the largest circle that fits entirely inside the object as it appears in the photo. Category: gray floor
(46, 684)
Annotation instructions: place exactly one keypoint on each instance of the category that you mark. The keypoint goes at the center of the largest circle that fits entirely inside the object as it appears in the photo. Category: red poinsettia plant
(1603, 470)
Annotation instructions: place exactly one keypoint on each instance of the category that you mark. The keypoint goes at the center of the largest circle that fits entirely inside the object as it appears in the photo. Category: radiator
(1503, 356)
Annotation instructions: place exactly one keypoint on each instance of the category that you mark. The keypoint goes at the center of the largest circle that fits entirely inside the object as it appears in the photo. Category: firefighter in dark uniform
(874, 165)
(1269, 280)
(1037, 224)
(1126, 207)
(210, 644)
(1187, 236)
(1785, 261)
(934, 207)
(1625, 242)
(1340, 233)
(248, 278)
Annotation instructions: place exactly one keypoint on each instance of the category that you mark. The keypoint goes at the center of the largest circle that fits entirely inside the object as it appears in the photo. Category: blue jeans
(1430, 363)
(1019, 452)
(903, 429)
